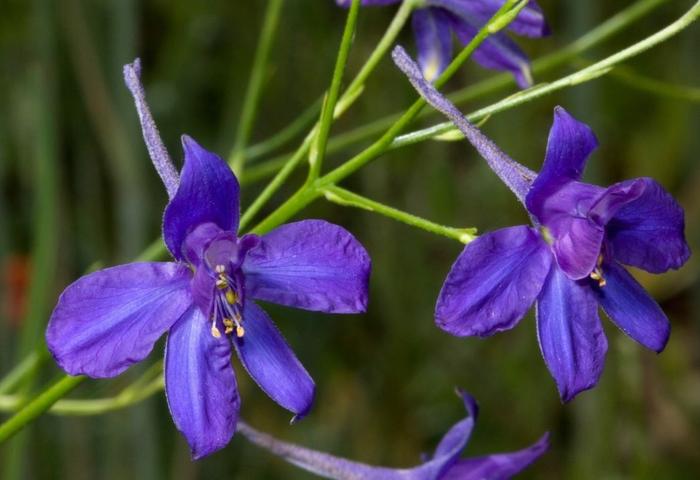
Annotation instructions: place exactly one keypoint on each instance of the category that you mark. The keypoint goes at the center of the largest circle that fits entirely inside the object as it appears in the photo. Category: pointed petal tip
(470, 403)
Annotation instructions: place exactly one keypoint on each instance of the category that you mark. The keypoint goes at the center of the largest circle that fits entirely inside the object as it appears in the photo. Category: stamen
(221, 283)
(231, 297)
(240, 331)
(219, 269)
(228, 323)
(597, 274)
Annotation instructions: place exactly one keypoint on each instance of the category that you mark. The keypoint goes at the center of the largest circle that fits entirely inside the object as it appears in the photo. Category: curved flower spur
(110, 319)
(436, 20)
(445, 464)
(570, 260)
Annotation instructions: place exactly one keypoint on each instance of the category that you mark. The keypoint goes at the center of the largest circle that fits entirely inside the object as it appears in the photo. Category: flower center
(228, 304)
(597, 273)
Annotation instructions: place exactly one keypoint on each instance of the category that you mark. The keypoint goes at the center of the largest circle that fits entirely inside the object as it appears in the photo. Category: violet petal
(108, 320)
(649, 232)
(631, 308)
(569, 145)
(200, 384)
(496, 52)
(431, 29)
(311, 264)
(570, 334)
(272, 364)
(530, 21)
(208, 193)
(493, 283)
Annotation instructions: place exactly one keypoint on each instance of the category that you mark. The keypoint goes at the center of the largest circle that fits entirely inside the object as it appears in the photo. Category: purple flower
(433, 27)
(570, 261)
(110, 319)
(444, 465)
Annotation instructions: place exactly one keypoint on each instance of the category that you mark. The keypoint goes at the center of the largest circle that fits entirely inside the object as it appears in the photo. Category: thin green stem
(38, 406)
(252, 94)
(496, 83)
(351, 94)
(587, 74)
(630, 78)
(302, 122)
(311, 191)
(318, 148)
(346, 198)
(20, 371)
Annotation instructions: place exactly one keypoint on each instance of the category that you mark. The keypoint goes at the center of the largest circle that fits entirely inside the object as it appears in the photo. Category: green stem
(486, 87)
(311, 191)
(22, 370)
(38, 406)
(302, 122)
(318, 148)
(629, 77)
(348, 98)
(252, 94)
(346, 198)
(587, 74)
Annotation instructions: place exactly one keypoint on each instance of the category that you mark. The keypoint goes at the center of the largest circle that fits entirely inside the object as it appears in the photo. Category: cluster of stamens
(227, 305)
(597, 273)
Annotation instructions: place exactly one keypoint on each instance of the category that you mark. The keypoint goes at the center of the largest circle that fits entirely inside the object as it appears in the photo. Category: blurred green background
(76, 187)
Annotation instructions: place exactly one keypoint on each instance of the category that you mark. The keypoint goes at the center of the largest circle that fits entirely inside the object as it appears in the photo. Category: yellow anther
(240, 331)
(231, 297)
(221, 283)
(597, 274)
(215, 332)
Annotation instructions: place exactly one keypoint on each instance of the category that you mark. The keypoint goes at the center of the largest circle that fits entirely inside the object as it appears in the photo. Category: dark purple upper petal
(648, 233)
(493, 283)
(631, 308)
(530, 21)
(431, 28)
(569, 145)
(497, 51)
(208, 193)
(614, 198)
(200, 384)
(311, 264)
(571, 337)
(108, 320)
(500, 466)
(272, 364)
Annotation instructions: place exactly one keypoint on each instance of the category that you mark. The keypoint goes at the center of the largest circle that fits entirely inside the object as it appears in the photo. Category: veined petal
(493, 283)
(311, 264)
(208, 193)
(431, 28)
(648, 232)
(200, 384)
(500, 466)
(576, 237)
(272, 364)
(108, 320)
(614, 198)
(569, 145)
(631, 308)
(530, 21)
(571, 337)
(496, 52)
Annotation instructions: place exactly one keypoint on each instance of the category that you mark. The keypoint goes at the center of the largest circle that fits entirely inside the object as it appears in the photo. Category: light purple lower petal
(649, 232)
(493, 283)
(108, 320)
(431, 29)
(200, 384)
(571, 337)
(311, 264)
(631, 308)
(497, 52)
(501, 466)
(272, 364)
